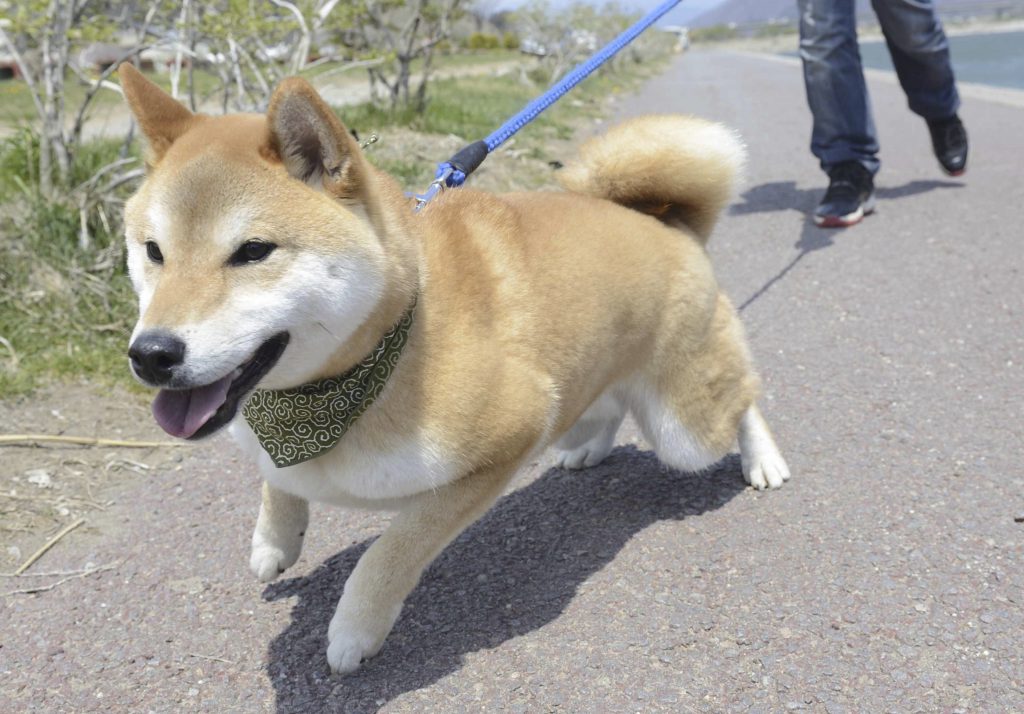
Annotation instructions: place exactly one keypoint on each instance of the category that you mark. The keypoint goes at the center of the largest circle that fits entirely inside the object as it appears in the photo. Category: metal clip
(436, 186)
(372, 140)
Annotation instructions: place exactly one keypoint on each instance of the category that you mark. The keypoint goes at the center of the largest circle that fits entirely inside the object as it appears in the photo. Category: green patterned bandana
(298, 424)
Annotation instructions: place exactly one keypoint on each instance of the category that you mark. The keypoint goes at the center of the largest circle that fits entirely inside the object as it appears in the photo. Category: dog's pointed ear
(312, 142)
(161, 117)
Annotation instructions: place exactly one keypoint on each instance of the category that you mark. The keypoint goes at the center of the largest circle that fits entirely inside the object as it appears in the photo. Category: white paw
(268, 559)
(590, 454)
(767, 470)
(349, 642)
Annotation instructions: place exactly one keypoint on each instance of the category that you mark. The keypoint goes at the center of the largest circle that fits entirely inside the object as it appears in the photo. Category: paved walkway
(886, 576)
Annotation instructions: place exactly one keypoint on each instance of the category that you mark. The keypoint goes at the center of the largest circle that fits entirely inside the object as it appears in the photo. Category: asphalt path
(886, 576)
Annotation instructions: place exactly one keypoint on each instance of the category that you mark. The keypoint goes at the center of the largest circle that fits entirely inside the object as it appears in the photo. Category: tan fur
(161, 118)
(532, 307)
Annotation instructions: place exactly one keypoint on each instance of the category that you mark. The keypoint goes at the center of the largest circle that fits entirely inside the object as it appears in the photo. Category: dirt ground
(44, 488)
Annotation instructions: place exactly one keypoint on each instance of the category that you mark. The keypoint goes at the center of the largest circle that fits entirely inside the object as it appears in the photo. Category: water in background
(993, 58)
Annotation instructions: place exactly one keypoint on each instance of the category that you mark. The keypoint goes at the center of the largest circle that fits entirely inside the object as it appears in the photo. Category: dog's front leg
(391, 567)
(280, 528)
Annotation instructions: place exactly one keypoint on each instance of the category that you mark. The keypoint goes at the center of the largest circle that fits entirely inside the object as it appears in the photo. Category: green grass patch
(17, 108)
(471, 108)
(64, 311)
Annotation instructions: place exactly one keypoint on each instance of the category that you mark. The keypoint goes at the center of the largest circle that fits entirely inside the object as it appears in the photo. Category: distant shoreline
(968, 90)
(867, 33)
(988, 27)
(785, 49)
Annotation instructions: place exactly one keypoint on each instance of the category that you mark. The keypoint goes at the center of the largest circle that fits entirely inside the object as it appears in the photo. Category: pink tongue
(182, 412)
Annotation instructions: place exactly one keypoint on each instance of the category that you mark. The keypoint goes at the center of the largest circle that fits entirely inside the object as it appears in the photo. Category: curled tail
(681, 169)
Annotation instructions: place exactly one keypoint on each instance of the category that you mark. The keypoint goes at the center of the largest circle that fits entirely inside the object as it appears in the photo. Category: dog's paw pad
(347, 649)
(268, 562)
(581, 458)
(272, 553)
(768, 471)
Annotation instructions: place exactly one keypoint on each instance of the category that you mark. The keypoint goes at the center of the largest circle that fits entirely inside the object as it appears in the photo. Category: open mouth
(200, 411)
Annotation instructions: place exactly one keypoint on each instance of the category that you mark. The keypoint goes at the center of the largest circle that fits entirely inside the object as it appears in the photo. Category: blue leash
(454, 171)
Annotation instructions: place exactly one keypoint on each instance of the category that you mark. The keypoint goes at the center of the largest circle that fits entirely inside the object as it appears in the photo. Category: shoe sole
(850, 219)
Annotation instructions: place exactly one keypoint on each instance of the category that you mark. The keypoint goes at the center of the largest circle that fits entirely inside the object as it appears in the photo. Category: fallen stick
(51, 586)
(47, 545)
(48, 574)
(84, 441)
(210, 657)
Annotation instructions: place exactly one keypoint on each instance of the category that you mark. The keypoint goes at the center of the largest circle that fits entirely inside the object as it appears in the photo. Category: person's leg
(843, 128)
(920, 54)
(843, 137)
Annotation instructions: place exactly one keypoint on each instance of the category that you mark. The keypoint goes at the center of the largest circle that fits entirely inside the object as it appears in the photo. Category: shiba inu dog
(368, 356)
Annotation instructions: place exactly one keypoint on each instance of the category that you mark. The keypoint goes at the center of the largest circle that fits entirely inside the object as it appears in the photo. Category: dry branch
(47, 545)
(35, 439)
(51, 586)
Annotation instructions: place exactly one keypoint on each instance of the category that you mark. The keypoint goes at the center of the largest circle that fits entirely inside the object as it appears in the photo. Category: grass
(472, 107)
(63, 311)
(17, 109)
(67, 314)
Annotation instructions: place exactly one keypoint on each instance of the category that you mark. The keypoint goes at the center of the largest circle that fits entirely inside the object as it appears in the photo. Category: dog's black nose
(154, 355)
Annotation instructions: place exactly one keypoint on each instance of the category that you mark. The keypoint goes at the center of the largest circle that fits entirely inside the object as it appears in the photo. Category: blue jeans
(836, 92)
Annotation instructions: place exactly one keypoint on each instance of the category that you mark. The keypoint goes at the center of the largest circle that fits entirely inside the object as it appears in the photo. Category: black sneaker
(850, 196)
(949, 140)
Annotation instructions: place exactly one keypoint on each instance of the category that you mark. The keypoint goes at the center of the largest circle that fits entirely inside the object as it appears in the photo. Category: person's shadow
(784, 195)
(511, 573)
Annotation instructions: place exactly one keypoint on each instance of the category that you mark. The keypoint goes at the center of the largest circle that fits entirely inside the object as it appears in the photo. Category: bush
(714, 33)
(777, 29)
(482, 41)
(510, 41)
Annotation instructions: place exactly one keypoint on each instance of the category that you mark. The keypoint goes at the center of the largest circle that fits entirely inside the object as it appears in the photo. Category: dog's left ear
(312, 142)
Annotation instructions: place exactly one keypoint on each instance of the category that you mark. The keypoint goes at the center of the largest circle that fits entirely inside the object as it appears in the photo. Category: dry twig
(49, 573)
(210, 657)
(7, 439)
(47, 545)
(51, 586)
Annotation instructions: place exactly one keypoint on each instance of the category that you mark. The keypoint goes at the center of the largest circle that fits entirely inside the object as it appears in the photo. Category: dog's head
(256, 245)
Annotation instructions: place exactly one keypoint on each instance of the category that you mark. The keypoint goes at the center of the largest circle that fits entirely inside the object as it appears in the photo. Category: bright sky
(687, 10)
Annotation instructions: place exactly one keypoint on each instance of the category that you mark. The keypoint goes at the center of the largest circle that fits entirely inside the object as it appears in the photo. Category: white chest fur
(362, 467)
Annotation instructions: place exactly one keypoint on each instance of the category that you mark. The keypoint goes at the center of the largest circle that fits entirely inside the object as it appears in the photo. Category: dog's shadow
(512, 572)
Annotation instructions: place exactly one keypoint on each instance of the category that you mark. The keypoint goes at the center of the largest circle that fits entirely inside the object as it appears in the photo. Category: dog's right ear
(312, 142)
(161, 117)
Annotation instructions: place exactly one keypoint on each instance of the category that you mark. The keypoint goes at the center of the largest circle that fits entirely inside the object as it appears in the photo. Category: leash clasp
(436, 186)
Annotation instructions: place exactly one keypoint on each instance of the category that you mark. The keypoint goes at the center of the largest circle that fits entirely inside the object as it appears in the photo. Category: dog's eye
(252, 251)
(153, 251)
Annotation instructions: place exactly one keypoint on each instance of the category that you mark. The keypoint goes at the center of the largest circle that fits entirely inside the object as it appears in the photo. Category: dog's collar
(298, 424)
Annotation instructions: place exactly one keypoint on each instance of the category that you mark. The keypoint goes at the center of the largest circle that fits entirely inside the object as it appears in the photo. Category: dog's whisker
(326, 329)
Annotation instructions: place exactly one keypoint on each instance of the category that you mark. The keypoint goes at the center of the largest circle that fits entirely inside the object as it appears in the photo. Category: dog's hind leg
(695, 406)
(590, 439)
(280, 529)
(762, 463)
